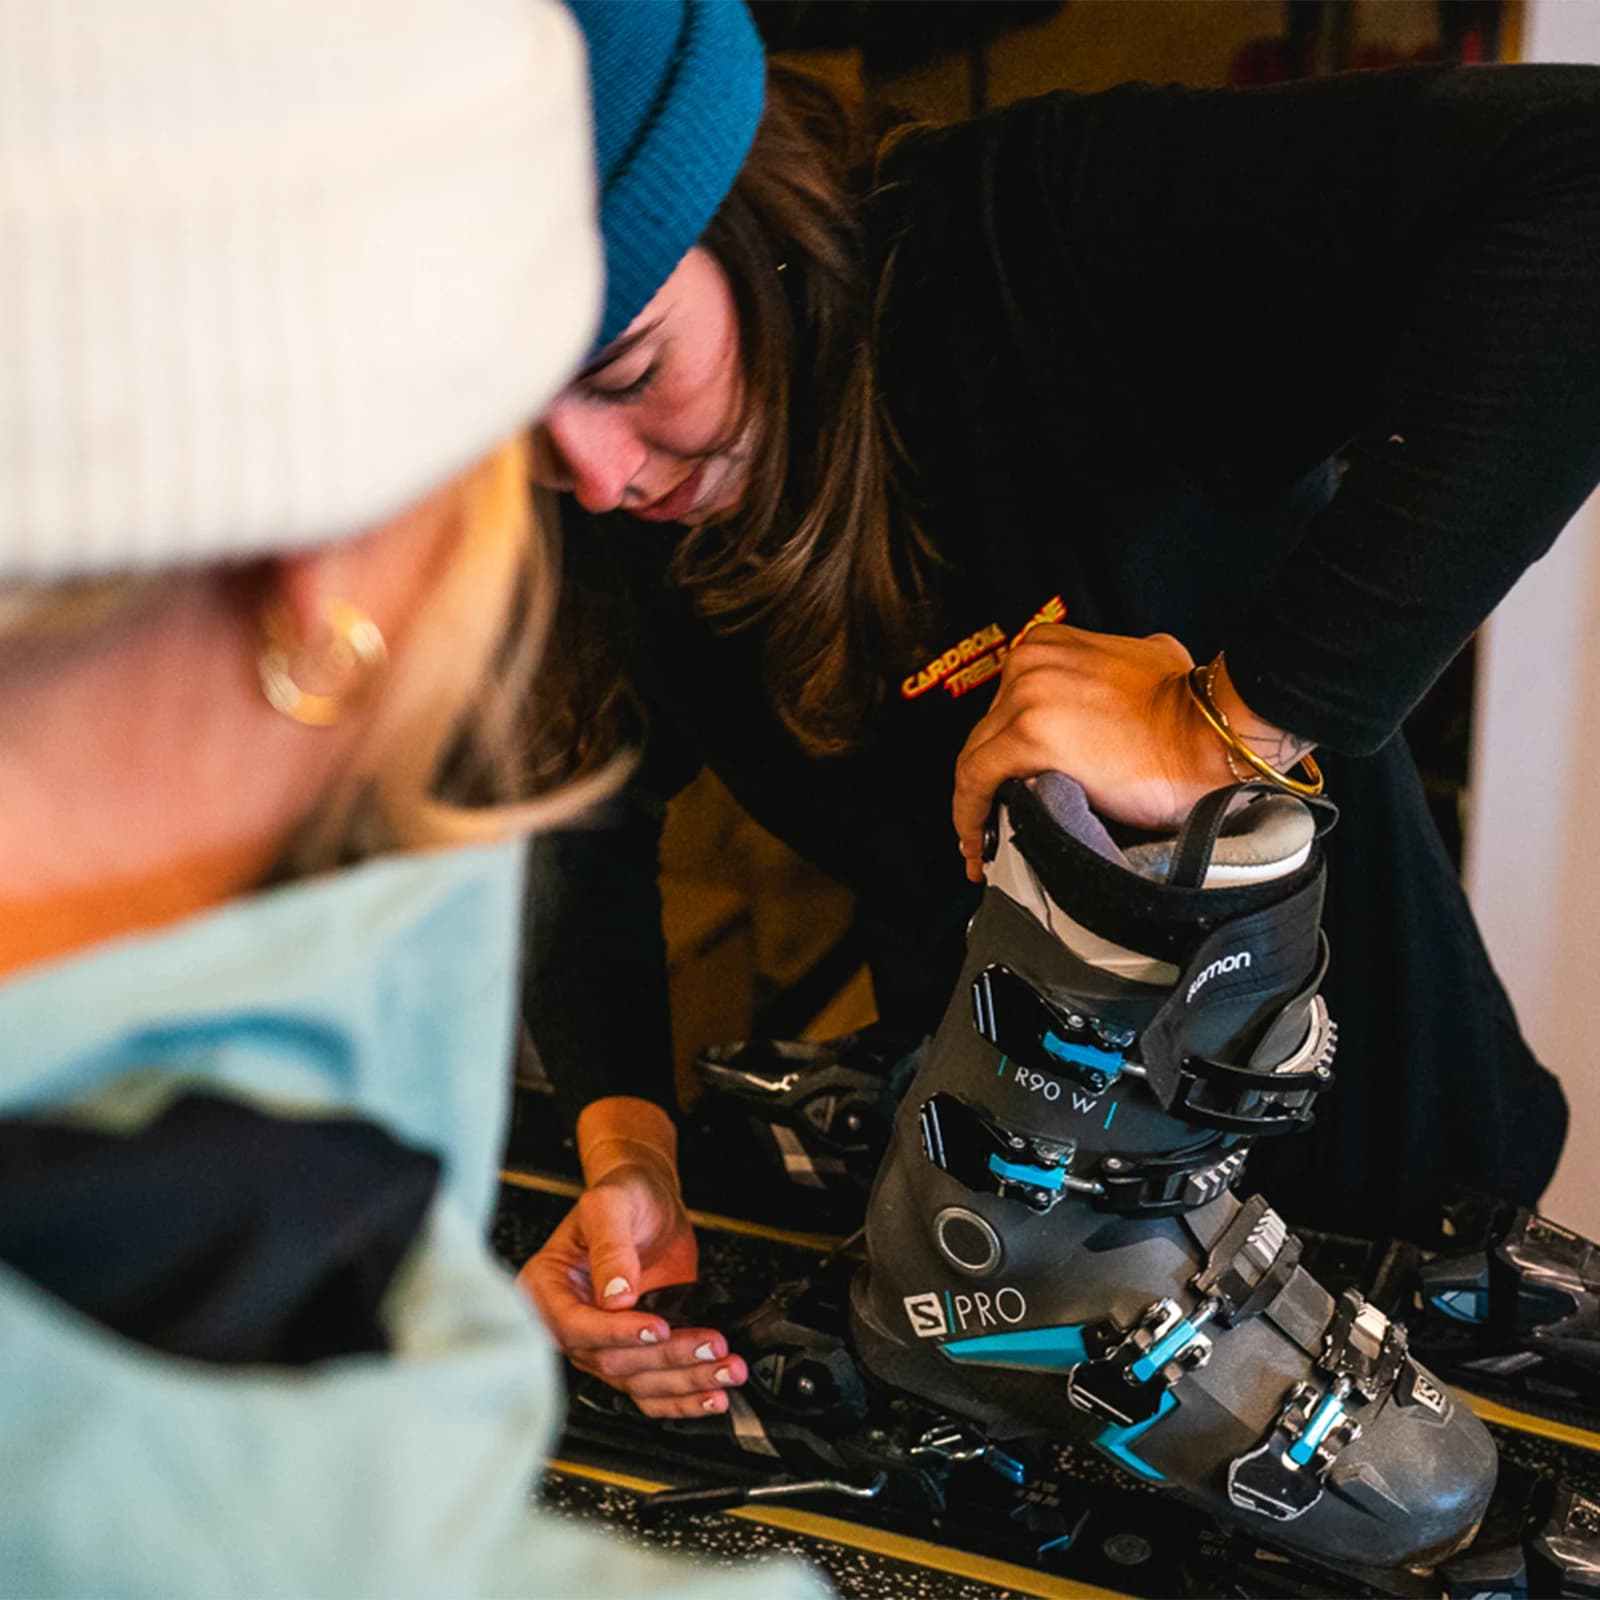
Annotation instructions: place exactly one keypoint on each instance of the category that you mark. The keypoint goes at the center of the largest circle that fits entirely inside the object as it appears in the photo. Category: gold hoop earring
(356, 648)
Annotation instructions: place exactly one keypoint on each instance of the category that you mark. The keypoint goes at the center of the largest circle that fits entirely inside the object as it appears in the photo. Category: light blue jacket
(386, 991)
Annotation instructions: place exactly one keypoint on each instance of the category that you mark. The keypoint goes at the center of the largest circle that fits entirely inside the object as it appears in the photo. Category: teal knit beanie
(678, 88)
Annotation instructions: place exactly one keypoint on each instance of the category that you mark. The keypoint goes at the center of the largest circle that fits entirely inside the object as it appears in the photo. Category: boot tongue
(1268, 838)
(1068, 806)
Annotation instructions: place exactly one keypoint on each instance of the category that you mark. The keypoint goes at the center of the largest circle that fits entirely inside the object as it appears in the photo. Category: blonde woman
(267, 597)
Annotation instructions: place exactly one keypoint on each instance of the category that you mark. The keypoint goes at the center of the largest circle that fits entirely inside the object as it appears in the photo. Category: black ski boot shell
(1053, 1246)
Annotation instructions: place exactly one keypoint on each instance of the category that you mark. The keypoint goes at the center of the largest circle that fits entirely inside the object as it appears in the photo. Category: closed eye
(628, 391)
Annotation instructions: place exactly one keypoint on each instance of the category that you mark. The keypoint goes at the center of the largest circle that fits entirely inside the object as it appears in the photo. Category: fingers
(1015, 743)
(694, 1405)
(698, 1384)
(591, 1272)
(607, 1219)
(579, 1327)
(980, 769)
(694, 1392)
(684, 1349)
(1088, 704)
(559, 1281)
(688, 1376)
(667, 1372)
(1010, 740)
(702, 1379)
(661, 1383)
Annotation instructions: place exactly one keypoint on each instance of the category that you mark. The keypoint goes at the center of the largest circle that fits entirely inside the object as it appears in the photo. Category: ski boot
(1053, 1246)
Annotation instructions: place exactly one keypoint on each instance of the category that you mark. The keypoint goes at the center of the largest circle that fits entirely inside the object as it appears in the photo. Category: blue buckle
(1042, 1036)
(1282, 1478)
(1128, 1382)
(1021, 1172)
(1100, 1068)
(985, 1156)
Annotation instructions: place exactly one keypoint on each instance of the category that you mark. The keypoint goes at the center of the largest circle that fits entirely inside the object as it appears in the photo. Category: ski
(1134, 1544)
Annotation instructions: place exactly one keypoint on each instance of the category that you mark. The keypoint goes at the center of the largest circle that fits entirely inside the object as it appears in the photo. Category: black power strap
(1193, 848)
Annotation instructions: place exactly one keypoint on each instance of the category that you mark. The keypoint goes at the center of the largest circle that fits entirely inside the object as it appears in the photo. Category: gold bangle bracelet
(1200, 692)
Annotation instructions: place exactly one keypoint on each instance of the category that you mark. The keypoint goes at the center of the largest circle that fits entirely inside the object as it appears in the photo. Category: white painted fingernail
(711, 1403)
(705, 1352)
(723, 1375)
(648, 1336)
(615, 1287)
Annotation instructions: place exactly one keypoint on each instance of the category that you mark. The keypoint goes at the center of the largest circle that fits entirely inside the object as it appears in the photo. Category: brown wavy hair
(820, 556)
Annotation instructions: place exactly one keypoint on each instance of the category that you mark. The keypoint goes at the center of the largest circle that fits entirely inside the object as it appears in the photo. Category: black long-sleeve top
(1310, 373)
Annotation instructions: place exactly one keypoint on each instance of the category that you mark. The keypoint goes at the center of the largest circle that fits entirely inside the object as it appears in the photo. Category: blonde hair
(456, 706)
(445, 756)
(32, 614)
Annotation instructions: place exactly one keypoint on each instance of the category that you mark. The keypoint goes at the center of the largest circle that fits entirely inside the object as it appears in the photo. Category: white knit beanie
(271, 269)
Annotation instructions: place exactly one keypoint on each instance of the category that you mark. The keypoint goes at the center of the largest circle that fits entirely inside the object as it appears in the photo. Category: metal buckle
(989, 1158)
(1020, 1023)
(1120, 1382)
(1249, 1262)
(1282, 1478)
(951, 1442)
(1363, 1354)
(1363, 1347)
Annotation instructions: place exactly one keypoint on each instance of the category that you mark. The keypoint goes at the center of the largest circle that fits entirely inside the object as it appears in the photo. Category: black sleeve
(1401, 268)
(595, 990)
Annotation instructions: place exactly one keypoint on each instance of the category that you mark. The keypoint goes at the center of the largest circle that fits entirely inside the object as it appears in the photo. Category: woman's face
(648, 427)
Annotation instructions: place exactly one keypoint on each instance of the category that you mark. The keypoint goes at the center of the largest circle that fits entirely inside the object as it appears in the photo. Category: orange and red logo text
(978, 657)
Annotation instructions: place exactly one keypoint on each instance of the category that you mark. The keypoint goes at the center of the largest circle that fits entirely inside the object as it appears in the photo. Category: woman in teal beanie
(679, 89)
(943, 458)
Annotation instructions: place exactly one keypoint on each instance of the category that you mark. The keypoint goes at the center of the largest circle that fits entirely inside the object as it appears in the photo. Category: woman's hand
(1112, 712)
(629, 1233)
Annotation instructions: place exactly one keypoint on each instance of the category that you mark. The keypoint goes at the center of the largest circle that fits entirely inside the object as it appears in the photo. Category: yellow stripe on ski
(896, 1546)
(1530, 1422)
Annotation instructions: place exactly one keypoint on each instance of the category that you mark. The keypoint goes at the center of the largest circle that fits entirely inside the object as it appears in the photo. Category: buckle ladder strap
(1363, 1346)
(1302, 1310)
(1164, 1186)
(1263, 1100)
(1248, 1263)
(1281, 1104)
